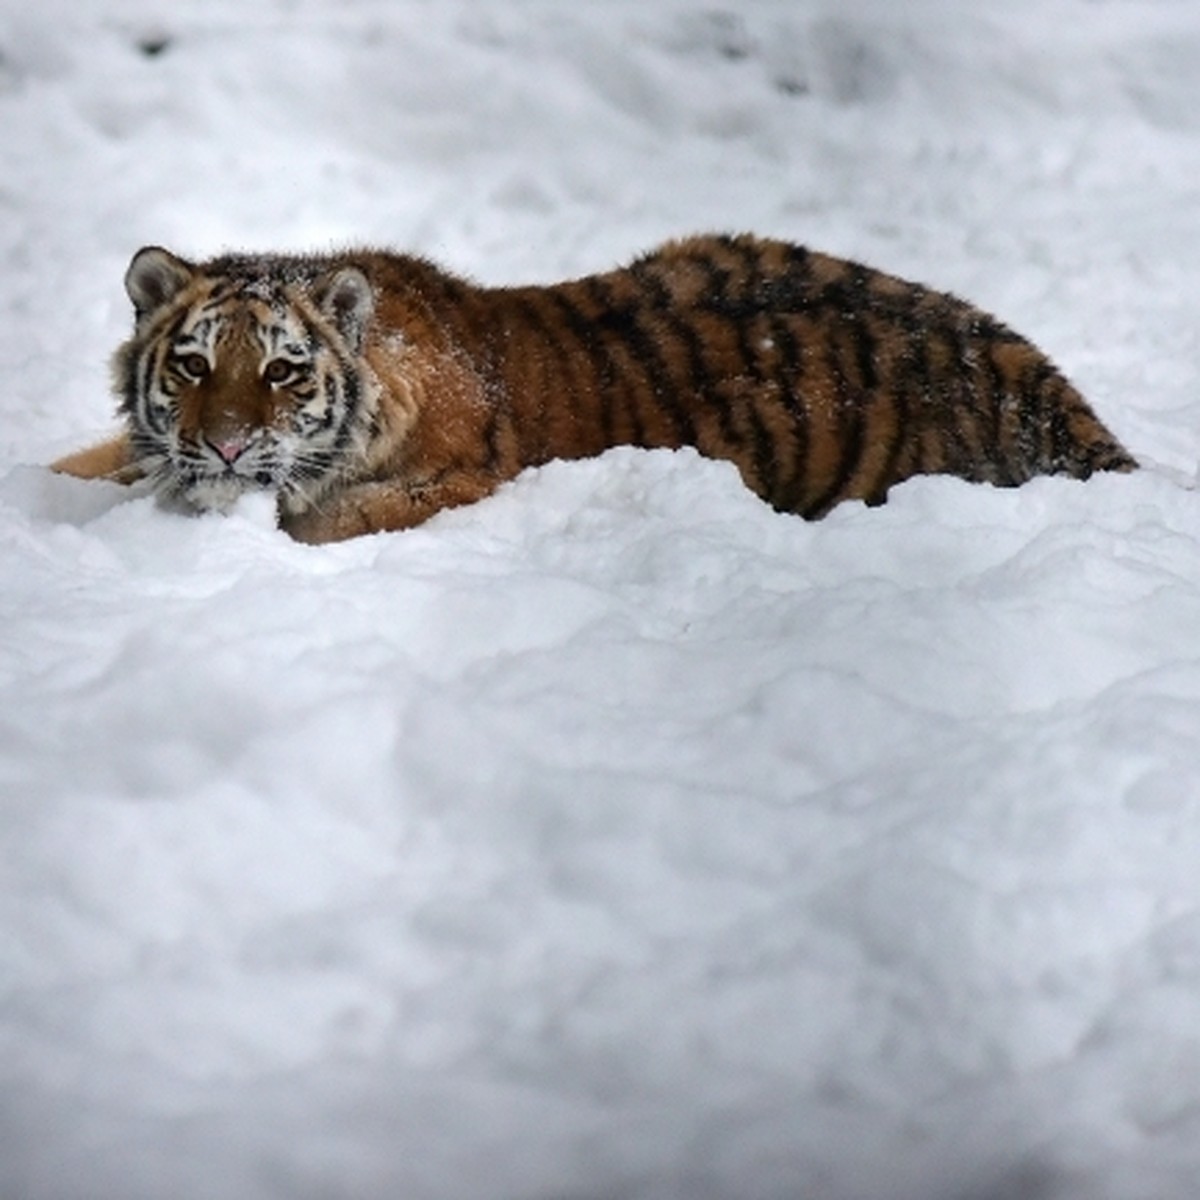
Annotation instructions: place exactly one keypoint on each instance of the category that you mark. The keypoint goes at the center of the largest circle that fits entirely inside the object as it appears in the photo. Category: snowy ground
(616, 838)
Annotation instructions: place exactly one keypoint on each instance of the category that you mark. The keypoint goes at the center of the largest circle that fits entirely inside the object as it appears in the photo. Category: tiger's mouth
(219, 491)
(239, 463)
(213, 473)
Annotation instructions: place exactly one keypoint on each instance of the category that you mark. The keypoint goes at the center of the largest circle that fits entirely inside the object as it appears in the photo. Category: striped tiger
(369, 390)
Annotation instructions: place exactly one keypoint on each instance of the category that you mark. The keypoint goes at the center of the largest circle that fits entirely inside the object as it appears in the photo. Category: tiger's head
(246, 374)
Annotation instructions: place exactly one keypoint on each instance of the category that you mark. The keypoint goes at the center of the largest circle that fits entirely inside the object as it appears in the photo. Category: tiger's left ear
(155, 277)
(347, 300)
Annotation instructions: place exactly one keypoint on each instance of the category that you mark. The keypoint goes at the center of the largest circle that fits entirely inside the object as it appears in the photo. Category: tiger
(368, 390)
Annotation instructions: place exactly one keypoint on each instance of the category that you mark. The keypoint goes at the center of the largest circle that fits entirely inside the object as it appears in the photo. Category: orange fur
(107, 460)
(371, 390)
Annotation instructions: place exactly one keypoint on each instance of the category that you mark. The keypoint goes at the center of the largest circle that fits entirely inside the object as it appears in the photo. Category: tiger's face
(247, 377)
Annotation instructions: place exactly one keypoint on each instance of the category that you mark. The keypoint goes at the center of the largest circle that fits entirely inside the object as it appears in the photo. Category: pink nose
(230, 449)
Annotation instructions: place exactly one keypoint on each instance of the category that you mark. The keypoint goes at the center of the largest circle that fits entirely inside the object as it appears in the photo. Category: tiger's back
(822, 380)
(371, 390)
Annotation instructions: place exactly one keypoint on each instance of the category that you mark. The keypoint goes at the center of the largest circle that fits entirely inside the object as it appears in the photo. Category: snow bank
(615, 837)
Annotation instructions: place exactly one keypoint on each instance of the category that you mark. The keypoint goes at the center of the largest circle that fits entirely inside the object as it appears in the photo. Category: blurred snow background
(616, 838)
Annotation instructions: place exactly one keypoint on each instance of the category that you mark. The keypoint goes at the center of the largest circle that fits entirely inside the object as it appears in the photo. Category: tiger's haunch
(370, 390)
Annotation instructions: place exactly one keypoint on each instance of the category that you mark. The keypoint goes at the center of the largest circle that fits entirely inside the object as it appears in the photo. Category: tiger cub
(369, 391)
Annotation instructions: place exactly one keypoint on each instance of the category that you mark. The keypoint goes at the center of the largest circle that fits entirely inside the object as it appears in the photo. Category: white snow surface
(615, 838)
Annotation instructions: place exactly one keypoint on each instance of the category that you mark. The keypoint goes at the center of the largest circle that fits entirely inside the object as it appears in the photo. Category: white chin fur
(219, 495)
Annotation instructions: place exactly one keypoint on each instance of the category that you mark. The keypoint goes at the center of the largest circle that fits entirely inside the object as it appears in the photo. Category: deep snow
(616, 837)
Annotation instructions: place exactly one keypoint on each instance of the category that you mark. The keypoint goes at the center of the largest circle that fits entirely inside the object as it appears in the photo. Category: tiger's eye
(278, 369)
(195, 365)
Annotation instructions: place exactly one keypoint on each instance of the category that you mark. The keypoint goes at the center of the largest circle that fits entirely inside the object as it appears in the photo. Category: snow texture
(615, 838)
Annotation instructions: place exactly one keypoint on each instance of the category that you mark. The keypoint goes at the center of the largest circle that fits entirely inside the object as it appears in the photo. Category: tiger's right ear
(347, 300)
(156, 276)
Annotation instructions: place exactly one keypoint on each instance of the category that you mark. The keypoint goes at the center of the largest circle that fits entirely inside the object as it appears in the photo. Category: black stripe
(969, 417)
(949, 397)
(1006, 456)
(754, 312)
(766, 460)
(343, 391)
(532, 313)
(585, 333)
(865, 349)
(701, 377)
(988, 407)
(130, 376)
(888, 471)
(793, 290)
(1065, 457)
(929, 415)
(1066, 451)
(144, 372)
(1035, 420)
(624, 321)
(790, 379)
(750, 285)
(851, 435)
(716, 293)
(988, 383)
(491, 438)
(152, 416)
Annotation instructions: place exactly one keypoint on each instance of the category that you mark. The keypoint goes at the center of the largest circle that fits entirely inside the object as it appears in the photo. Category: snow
(615, 837)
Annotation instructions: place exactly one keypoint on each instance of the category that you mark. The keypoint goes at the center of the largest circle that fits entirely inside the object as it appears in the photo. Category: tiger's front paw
(316, 528)
(112, 459)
